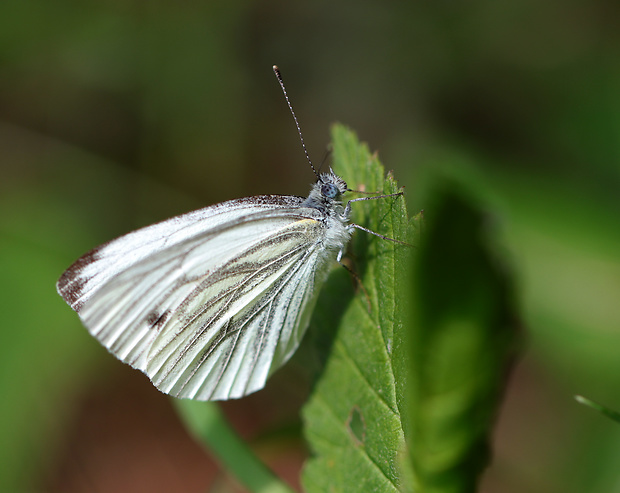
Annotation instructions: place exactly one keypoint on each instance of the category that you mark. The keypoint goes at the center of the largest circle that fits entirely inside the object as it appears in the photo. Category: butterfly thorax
(325, 196)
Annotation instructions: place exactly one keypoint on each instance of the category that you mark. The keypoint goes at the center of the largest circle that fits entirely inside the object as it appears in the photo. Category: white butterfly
(210, 303)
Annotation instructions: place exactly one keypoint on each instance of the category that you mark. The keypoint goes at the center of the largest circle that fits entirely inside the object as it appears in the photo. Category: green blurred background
(115, 114)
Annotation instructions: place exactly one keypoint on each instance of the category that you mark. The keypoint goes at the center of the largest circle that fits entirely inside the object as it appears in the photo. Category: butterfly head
(326, 191)
(332, 186)
(330, 190)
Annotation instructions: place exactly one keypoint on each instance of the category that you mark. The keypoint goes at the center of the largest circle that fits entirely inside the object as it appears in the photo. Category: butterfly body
(210, 303)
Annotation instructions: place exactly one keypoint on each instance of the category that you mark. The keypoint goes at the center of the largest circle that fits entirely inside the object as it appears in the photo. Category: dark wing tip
(71, 284)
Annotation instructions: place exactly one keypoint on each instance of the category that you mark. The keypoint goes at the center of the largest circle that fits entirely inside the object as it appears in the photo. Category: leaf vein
(362, 450)
(347, 356)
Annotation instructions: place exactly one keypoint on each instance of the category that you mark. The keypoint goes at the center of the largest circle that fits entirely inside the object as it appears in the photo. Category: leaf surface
(353, 420)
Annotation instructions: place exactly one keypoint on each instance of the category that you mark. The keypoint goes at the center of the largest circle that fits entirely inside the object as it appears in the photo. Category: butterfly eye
(330, 190)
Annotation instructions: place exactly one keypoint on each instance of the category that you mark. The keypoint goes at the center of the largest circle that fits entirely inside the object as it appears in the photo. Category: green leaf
(462, 339)
(352, 421)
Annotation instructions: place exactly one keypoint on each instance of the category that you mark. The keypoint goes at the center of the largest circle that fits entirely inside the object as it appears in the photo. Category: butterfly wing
(207, 304)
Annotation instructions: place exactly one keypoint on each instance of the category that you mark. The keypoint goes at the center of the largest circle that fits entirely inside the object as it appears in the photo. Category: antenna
(290, 107)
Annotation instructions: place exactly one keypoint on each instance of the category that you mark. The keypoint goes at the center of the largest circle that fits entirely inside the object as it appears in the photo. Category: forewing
(91, 271)
(236, 328)
(201, 302)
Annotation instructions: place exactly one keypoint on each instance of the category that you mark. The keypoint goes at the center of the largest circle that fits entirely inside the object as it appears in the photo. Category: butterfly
(210, 303)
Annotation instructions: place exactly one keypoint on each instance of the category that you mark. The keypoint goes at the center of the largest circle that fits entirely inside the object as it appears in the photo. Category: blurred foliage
(206, 421)
(114, 114)
(462, 336)
(611, 414)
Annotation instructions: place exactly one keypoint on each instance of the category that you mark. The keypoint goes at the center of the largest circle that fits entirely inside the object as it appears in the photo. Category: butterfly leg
(359, 199)
(356, 277)
(347, 211)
